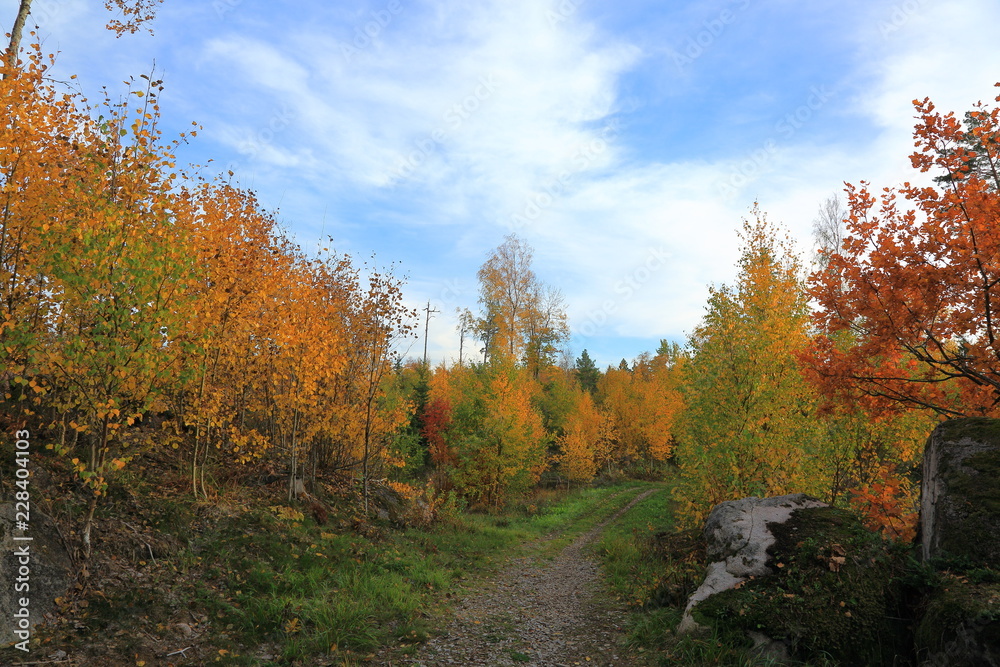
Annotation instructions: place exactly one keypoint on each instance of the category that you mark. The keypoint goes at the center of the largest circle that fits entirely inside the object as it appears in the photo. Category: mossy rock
(961, 623)
(831, 596)
(960, 492)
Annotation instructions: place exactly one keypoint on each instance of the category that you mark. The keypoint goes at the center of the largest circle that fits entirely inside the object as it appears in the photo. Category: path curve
(540, 612)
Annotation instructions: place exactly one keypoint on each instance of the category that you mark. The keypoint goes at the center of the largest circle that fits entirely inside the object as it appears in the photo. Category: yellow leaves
(286, 513)
(577, 460)
(498, 435)
(748, 424)
(405, 490)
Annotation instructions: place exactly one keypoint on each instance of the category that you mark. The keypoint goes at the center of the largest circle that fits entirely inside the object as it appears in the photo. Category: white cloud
(473, 117)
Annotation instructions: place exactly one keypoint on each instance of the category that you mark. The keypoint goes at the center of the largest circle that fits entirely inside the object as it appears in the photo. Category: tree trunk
(197, 429)
(88, 522)
(96, 463)
(15, 33)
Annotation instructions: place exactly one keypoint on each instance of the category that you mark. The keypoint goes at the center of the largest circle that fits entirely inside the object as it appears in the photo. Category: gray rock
(960, 527)
(737, 537)
(960, 492)
(774, 651)
(388, 503)
(36, 571)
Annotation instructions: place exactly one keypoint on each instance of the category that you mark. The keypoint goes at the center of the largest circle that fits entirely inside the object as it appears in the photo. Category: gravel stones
(538, 612)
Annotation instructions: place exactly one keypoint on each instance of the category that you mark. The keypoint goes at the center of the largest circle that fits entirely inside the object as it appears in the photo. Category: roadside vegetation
(249, 579)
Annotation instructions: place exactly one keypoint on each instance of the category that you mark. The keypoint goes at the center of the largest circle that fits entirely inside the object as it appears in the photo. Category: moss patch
(830, 595)
(979, 482)
(979, 429)
(969, 510)
(961, 606)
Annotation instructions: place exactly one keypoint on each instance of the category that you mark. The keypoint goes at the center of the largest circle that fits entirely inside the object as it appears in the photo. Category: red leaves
(437, 419)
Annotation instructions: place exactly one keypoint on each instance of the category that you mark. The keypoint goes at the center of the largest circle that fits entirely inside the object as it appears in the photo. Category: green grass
(322, 592)
(630, 566)
(252, 583)
(653, 568)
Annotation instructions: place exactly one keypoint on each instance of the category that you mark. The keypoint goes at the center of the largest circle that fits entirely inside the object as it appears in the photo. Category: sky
(623, 141)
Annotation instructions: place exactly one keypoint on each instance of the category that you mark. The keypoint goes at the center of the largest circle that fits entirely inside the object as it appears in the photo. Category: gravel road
(539, 612)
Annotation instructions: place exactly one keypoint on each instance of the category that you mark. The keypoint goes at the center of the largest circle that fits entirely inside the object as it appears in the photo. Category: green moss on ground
(961, 601)
(831, 596)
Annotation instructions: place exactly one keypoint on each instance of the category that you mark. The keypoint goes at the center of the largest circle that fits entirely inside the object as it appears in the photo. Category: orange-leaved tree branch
(909, 307)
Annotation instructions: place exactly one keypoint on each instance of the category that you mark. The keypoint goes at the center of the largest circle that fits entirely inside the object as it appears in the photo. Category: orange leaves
(523, 319)
(579, 444)
(506, 286)
(134, 13)
(90, 262)
(495, 434)
(642, 406)
(922, 284)
(297, 344)
(120, 286)
(888, 505)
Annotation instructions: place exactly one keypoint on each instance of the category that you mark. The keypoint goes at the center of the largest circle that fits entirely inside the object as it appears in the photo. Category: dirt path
(539, 612)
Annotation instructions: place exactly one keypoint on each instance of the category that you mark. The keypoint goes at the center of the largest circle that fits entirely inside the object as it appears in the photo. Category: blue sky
(623, 141)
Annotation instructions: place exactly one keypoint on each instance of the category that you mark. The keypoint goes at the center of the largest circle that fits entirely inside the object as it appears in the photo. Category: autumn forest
(154, 318)
(137, 295)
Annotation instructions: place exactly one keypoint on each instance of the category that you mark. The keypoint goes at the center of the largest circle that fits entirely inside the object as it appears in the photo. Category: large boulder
(960, 534)
(737, 537)
(960, 493)
(818, 586)
(36, 571)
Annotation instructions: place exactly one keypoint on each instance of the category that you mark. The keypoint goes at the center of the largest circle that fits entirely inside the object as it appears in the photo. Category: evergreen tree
(587, 373)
